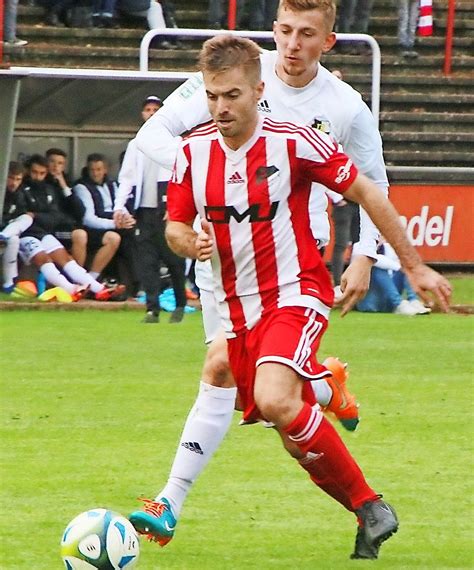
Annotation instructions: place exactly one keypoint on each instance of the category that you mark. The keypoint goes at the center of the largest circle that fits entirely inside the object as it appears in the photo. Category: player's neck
(297, 81)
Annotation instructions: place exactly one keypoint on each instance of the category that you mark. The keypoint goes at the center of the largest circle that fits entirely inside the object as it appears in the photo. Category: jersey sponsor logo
(322, 125)
(235, 179)
(254, 213)
(343, 172)
(265, 172)
(193, 446)
(190, 87)
(263, 106)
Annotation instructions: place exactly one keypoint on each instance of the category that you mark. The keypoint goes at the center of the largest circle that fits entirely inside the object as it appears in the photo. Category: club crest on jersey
(322, 125)
(265, 173)
(254, 213)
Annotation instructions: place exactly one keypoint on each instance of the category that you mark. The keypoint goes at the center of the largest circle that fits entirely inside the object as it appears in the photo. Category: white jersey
(326, 103)
(141, 173)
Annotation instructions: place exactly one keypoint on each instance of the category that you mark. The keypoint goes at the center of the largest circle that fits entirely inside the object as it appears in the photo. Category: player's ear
(329, 42)
(259, 90)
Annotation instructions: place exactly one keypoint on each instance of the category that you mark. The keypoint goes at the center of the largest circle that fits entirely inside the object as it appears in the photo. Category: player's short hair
(327, 7)
(95, 157)
(15, 168)
(56, 151)
(224, 52)
(37, 159)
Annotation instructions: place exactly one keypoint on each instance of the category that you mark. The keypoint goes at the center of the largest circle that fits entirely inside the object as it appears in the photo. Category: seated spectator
(103, 14)
(9, 26)
(56, 209)
(58, 13)
(97, 194)
(58, 177)
(35, 245)
(13, 224)
(388, 283)
(149, 9)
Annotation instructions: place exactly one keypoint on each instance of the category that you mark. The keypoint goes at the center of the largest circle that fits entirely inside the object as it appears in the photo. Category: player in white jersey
(303, 32)
(251, 182)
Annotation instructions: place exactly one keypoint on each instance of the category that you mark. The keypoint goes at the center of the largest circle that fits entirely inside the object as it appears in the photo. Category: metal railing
(191, 33)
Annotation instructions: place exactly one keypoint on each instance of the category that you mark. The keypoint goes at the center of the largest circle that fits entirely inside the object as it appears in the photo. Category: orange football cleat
(343, 404)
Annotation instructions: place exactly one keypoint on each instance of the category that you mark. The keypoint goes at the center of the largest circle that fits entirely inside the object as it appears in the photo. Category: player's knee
(111, 239)
(216, 370)
(79, 237)
(272, 405)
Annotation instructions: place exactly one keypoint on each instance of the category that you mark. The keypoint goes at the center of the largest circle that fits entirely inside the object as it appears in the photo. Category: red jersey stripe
(215, 195)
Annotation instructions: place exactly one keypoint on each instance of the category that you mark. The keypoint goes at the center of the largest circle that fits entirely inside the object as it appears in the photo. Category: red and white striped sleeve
(323, 160)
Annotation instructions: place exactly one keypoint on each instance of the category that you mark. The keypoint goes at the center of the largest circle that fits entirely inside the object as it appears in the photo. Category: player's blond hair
(327, 7)
(224, 52)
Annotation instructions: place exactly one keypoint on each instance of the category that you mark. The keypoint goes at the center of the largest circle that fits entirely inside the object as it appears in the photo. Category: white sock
(55, 277)
(10, 261)
(205, 428)
(94, 274)
(322, 391)
(17, 226)
(79, 275)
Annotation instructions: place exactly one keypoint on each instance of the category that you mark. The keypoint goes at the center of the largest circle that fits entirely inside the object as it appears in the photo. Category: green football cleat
(157, 521)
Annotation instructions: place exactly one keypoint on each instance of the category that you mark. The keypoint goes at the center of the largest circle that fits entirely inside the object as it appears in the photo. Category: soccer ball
(102, 539)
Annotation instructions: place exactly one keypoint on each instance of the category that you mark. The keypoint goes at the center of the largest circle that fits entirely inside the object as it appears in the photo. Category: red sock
(312, 432)
(325, 482)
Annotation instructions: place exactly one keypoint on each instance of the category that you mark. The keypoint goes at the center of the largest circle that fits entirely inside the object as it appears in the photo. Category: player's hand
(204, 242)
(429, 285)
(128, 221)
(118, 218)
(355, 282)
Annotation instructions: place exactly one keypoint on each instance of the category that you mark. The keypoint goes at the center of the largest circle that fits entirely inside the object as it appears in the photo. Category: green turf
(92, 404)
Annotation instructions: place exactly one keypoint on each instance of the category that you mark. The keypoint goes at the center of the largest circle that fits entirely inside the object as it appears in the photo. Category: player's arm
(159, 137)
(127, 179)
(364, 146)
(184, 241)
(386, 218)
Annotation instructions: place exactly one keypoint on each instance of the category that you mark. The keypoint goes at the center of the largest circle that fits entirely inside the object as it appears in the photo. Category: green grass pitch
(92, 405)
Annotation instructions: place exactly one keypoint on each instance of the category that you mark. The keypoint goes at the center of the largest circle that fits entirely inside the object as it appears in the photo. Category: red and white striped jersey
(256, 199)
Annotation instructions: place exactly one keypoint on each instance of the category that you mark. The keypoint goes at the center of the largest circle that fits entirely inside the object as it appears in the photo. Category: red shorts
(288, 336)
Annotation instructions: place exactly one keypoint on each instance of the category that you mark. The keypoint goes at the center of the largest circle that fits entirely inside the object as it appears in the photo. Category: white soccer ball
(102, 539)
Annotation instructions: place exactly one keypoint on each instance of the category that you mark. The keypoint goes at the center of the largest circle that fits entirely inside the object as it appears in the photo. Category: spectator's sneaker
(157, 521)
(151, 318)
(379, 522)
(419, 307)
(79, 293)
(177, 315)
(343, 404)
(405, 308)
(111, 293)
(190, 294)
(364, 550)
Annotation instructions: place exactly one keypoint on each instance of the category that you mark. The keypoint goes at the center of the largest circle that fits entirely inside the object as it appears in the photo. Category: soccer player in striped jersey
(298, 88)
(249, 179)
